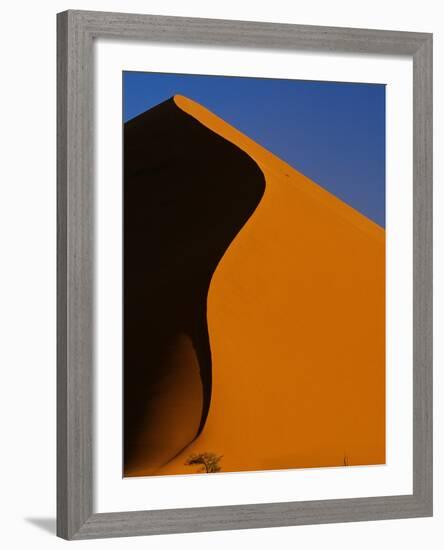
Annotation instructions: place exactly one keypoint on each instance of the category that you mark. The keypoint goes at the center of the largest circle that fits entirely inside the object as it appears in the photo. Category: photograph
(253, 274)
(220, 262)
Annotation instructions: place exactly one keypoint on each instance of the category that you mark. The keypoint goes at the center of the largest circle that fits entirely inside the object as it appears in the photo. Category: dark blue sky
(332, 132)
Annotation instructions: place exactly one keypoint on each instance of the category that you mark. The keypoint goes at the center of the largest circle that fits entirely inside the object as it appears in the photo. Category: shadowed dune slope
(187, 193)
(296, 317)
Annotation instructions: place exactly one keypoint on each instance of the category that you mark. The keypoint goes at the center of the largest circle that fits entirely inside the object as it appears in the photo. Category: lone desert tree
(209, 461)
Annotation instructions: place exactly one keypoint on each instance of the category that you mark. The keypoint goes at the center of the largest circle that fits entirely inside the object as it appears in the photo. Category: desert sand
(187, 194)
(296, 319)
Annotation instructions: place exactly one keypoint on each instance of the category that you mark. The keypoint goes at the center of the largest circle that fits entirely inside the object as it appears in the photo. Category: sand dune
(296, 318)
(187, 193)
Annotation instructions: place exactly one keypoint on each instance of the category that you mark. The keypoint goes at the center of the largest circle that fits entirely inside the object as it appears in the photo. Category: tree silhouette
(209, 461)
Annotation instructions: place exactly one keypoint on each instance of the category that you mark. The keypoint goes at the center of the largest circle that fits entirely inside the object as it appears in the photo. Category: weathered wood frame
(77, 31)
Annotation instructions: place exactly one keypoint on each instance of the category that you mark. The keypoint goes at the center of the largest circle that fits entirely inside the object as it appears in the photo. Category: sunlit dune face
(296, 320)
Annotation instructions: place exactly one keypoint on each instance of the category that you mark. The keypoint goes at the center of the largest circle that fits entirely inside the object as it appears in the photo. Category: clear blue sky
(332, 132)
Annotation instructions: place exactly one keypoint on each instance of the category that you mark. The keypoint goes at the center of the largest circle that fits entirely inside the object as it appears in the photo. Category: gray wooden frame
(76, 32)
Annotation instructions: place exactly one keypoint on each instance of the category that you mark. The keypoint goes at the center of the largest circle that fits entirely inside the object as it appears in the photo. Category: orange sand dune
(296, 316)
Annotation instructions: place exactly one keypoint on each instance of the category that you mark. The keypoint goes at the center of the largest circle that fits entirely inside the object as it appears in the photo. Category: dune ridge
(275, 166)
(296, 318)
(187, 193)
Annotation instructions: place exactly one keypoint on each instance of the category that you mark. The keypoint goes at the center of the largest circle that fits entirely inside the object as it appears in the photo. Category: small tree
(209, 461)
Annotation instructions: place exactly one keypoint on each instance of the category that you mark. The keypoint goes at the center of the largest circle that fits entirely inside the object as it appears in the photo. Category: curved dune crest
(187, 194)
(296, 317)
(277, 169)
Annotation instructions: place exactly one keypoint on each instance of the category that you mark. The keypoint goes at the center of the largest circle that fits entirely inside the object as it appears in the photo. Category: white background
(27, 298)
(112, 493)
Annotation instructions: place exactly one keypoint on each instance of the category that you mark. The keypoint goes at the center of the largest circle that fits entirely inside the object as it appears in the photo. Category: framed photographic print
(244, 274)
